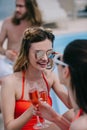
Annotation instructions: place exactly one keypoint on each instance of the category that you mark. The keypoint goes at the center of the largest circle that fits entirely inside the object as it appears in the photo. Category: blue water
(6, 8)
(60, 43)
(62, 40)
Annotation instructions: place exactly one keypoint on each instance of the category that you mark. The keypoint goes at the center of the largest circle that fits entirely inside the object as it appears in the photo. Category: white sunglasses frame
(58, 62)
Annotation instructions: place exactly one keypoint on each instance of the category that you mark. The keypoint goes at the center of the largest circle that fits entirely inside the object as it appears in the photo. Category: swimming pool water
(62, 40)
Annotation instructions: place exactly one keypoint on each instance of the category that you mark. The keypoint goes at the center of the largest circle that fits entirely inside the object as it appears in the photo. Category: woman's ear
(66, 72)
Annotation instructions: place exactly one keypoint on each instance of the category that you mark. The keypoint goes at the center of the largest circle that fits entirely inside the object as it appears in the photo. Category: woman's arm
(61, 91)
(8, 98)
(46, 111)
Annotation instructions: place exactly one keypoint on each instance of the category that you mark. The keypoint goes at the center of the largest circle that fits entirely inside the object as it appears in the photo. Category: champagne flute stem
(38, 120)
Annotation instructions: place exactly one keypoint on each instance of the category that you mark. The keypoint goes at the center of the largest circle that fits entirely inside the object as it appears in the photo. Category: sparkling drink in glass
(34, 97)
(43, 96)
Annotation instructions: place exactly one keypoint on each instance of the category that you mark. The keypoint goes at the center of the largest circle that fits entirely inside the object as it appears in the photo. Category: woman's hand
(46, 111)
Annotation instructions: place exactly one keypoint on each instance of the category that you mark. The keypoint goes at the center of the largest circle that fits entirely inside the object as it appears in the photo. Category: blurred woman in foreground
(72, 68)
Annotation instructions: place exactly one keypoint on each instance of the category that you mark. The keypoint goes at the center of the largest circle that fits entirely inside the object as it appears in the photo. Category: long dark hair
(75, 55)
(33, 13)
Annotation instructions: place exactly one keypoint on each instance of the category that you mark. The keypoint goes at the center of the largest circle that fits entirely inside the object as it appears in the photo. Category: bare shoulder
(51, 76)
(10, 81)
(7, 22)
(49, 73)
(80, 123)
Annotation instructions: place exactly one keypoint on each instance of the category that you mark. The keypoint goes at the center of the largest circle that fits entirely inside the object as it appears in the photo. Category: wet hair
(31, 36)
(75, 55)
(33, 13)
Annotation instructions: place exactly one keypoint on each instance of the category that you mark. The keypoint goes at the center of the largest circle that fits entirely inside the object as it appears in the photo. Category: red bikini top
(23, 81)
(80, 112)
(22, 105)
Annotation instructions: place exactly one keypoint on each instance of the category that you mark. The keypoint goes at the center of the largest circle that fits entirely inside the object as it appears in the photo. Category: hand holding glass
(34, 97)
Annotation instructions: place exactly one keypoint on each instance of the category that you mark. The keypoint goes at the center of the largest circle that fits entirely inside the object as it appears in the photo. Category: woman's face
(60, 66)
(65, 78)
(63, 71)
(38, 54)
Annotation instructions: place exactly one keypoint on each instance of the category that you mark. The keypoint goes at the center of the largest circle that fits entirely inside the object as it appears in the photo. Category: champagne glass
(43, 94)
(34, 97)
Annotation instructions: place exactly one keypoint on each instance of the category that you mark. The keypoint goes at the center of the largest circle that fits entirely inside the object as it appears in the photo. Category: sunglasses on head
(58, 61)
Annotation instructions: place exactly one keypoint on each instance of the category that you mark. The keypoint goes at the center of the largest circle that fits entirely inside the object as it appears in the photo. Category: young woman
(33, 64)
(72, 68)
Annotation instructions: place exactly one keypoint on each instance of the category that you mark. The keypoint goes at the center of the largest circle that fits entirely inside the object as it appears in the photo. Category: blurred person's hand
(11, 54)
(45, 110)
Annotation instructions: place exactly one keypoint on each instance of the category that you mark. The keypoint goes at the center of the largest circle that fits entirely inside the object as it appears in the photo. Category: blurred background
(6, 8)
(68, 20)
(56, 13)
